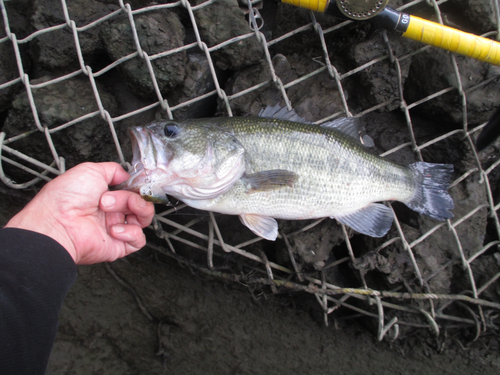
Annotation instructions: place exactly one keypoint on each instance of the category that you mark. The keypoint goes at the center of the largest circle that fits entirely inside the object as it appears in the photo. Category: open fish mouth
(148, 149)
(148, 154)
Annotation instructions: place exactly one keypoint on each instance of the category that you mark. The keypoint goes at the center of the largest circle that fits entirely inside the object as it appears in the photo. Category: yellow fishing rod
(411, 27)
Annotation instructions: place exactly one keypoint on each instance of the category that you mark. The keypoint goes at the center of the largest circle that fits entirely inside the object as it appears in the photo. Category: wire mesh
(408, 304)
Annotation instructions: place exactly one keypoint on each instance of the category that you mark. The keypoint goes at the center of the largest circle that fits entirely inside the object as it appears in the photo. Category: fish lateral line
(269, 180)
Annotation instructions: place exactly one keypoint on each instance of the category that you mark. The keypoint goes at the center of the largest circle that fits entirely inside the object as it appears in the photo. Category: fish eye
(171, 130)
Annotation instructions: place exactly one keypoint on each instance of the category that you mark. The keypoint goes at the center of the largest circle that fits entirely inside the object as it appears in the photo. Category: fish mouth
(149, 154)
(142, 154)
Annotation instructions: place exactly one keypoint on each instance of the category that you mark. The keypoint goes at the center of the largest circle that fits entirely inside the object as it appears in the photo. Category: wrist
(36, 221)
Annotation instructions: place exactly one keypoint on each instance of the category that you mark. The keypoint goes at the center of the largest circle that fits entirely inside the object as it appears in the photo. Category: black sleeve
(36, 273)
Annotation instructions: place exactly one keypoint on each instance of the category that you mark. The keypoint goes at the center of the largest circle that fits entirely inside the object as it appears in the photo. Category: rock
(158, 31)
(392, 266)
(253, 102)
(8, 72)
(56, 49)
(380, 82)
(134, 4)
(316, 97)
(432, 71)
(484, 271)
(479, 15)
(198, 81)
(312, 247)
(313, 99)
(221, 21)
(288, 18)
(57, 104)
(18, 13)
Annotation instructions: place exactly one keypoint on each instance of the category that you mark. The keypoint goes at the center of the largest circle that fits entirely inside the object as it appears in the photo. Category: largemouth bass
(276, 166)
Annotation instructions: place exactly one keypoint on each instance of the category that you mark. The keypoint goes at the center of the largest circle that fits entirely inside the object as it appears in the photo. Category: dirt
(211, 327)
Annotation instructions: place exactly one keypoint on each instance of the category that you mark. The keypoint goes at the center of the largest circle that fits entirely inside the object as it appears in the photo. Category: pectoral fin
(269, 180)
(263, 226)
(374, 220)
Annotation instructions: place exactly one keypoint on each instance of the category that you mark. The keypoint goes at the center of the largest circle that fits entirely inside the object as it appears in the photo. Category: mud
(211, 327)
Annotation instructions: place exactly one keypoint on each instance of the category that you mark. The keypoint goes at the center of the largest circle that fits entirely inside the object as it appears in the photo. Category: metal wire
(210, 238)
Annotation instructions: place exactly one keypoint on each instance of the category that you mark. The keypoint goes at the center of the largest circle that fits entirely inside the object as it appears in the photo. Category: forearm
(36, 273)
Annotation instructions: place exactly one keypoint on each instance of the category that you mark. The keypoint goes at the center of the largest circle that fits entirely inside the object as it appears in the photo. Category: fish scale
(336, 175)
(276, 166)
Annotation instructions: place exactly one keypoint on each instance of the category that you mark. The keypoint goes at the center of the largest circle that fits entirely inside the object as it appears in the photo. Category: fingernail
(118, 228)
(108, 200)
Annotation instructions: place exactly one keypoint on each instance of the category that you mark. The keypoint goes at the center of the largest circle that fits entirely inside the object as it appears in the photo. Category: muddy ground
(210, 327)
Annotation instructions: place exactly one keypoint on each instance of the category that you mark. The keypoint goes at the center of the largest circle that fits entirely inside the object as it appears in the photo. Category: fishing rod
(411, 27)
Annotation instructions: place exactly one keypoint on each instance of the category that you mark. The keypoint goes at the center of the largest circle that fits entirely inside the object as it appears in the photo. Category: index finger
(113, 173)
(128, 203)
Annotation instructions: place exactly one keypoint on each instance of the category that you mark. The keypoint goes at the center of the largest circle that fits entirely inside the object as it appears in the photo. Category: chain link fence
(471, 267)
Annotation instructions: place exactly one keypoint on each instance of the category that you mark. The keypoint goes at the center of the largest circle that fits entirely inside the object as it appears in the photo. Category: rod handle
(452, 40)
(314, 5)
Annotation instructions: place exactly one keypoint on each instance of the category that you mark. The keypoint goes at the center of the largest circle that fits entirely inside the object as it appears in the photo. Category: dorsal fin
(350, 126)
(282, 113)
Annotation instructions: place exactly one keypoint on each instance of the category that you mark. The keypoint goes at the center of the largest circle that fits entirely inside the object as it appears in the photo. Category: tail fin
(431, 197)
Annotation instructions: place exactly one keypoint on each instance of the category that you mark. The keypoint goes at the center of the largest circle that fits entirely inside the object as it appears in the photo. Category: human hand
(93, 224)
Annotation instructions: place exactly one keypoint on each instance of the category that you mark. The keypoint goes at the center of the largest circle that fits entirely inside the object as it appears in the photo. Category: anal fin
(263, 226)
(374, 220)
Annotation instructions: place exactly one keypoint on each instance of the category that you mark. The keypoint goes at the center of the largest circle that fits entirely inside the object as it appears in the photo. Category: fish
(279, 166)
